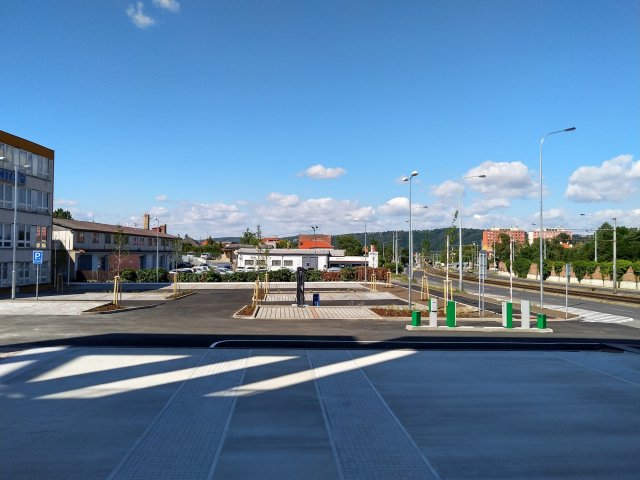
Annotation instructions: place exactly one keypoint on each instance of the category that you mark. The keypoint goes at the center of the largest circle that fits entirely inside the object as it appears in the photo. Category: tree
(350, 244)
(251, 238)
(120, 248)
(60, 213)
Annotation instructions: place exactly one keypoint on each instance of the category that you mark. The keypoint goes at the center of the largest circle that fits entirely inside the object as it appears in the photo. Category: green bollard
(415, 318)
(451, 313)
(509, 308)
(542, 320)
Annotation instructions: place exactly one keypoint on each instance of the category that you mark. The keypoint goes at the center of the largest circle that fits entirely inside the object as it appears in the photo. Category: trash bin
(415, 318)
(316, 299)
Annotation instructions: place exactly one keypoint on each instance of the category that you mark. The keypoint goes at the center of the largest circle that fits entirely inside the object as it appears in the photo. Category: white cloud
(283, 200)
(170, 5)
(446, 189)
(138, 17)
(504, 179)
(162, 198)
(485, 206)
(615, 180)
(395, 207)
(321, 172)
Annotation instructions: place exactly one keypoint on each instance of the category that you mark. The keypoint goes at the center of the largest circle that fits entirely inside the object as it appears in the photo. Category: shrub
(558, 267)
(348, 274)
(546, 269)
(189, 277)
(606, 268)
(148, 275)
(128, 275)
(212, 276)
(331, 276)
(282, 275)
(580, 269)
(636, 270)
(622, 266)
(521, 266)
(313, 276)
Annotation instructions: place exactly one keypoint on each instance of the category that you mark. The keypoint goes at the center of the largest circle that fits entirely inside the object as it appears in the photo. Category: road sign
(37, 257)
(567, 269)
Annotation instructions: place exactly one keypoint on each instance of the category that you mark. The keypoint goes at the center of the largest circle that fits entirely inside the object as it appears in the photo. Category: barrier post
(507, 314)
(542, 321)
(415, 318)
(451, 313)
(388, 279)
(433, 312)
(525, 313)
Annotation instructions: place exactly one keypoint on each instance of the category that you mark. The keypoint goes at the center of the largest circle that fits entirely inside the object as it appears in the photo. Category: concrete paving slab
(332, 296)
(296, 313)
(286, 413)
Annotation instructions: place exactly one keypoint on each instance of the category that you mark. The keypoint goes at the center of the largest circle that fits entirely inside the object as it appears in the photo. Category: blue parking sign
(37, 257)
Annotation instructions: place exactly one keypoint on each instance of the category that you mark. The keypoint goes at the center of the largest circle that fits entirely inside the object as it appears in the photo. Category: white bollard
(525, 313)
(433, 313)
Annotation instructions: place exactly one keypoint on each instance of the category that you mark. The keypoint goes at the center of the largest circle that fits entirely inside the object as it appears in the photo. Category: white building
(250, 259)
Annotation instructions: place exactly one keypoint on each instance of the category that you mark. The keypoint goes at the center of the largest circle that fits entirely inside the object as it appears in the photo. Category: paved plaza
(293, 413)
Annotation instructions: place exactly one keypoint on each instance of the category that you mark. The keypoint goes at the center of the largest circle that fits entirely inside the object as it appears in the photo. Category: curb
(119, 310)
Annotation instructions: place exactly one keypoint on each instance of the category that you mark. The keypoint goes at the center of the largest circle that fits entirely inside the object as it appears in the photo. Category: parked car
(333, 269)
(205, 256)
(201, 269)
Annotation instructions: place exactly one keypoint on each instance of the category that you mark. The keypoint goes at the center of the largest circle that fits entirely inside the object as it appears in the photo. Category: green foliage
(348, 274)
(251, 238)
(521, 266)
(313, 275)
(60, 213)
(580, 269)
(128, 275)
(148, 275)
(591, 268)
(350, 244)
(212, 276)
(282, 275)
(636, 270)
(621, 268)
(189, 277)
(547, 269)
(558, 267)
(606, 269)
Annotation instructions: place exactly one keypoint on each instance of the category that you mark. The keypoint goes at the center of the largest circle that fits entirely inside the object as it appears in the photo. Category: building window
(288, 263)
(44, 272)
(80, 237)
(6, 195)
(41, 237)
(248, 262)
(23, 272)
(4, 274)
(6, 230)
(24, 236)
(24, 197)
(96, 237)
(107, 238)
(276, 263)
(149, 241)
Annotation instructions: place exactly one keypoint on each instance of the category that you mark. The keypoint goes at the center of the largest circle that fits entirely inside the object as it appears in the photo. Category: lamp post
(314, 228)
(595, 239)
(462, 179)
(157, 249)
(14, 241)
(408, 179)
(541, 266)
(615, 266)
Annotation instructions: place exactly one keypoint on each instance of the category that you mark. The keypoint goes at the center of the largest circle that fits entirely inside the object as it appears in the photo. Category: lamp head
(570, 129)
(405, 179)
(482, 176)
(414, 173)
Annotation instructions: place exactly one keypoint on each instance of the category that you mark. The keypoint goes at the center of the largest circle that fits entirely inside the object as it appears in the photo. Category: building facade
(251, 259)
(31, 165)
(548, 233)
(95, 251)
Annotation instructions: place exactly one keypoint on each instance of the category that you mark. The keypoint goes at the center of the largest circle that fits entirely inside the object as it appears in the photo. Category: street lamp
(462, 179)
(366, 252)
(15, 226)
(541, 268)
(157, 248)
(595, 239)
(615, 267)
(408, 179)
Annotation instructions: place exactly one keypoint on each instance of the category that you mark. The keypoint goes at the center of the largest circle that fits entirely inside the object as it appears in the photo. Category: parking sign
(37, 257)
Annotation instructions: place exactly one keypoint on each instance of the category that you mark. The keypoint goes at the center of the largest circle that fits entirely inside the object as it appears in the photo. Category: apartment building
(29, 166)
(89, 251)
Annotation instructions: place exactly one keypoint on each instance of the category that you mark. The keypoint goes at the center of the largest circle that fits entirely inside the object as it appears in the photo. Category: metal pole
(615, 267)
(595, 236)
(541, 267)
(14, 241)
(460, 288)
(511, 270)
(366, 252)
(157, 250)
(410, 247)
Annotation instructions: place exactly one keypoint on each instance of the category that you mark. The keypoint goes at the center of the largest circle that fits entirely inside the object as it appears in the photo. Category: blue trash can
(316, 299)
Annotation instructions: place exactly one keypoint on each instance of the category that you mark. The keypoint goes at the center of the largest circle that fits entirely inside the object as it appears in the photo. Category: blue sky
(221, 115)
